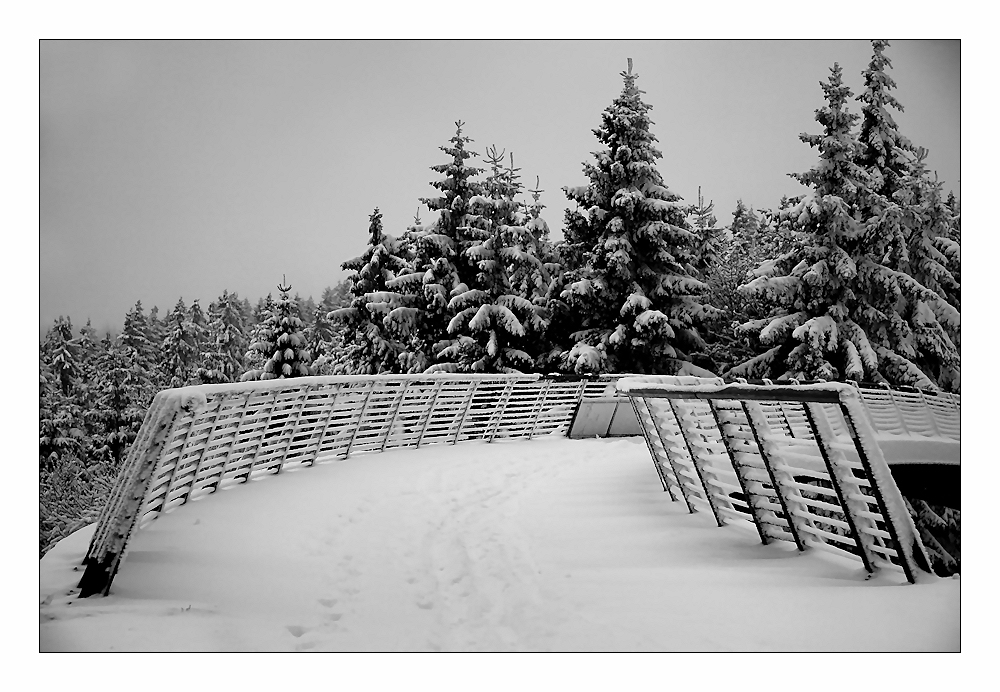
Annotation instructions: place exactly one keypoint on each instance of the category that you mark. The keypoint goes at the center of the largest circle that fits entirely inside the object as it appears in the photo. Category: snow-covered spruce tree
(60, 352)
(908, 221)
(123, 392)
(930, 258)
(155, 329)
(456, 222)
(812, 288)
(323, 341)
(179, 349)
(635, 305)
(533, 280)
(135, 335)
(199, 326)
(417, 301)
(253, 359)
(223, 359)
(61, 432)
(280, 342)
(493, 322)
(829, 293)
(369, 348)
(738, 251)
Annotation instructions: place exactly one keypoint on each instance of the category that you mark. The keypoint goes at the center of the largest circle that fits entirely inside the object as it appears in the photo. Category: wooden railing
(798, 463)
(196, 440)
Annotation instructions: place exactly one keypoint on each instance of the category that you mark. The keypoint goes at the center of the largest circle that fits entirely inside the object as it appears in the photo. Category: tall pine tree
(223, 360)
(179, 348)
(636, 305)
(909, 223)
(492, 321)
(417, 301)
(369, 347)
(280, 343)
(834, 301)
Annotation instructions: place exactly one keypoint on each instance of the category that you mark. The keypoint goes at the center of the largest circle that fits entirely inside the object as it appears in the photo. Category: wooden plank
(743, 392)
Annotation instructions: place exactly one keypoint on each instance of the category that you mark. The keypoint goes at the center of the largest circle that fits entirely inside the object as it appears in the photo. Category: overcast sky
(172, 169)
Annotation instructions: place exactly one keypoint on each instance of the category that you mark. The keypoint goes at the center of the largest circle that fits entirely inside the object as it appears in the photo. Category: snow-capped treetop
(886, 154)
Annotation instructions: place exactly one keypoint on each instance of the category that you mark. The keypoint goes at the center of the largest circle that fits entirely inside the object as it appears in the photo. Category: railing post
(501, 409)
(737, 469)
(236, 434)
(204, 450)
(461, 423)
(779, 488)
(263, 433)
(326, 426)
(822, 443)
(899, 412)
(652, 452)
(130, 469)
(931, 416)
(105, 556)
(430, 413)
(696, 462)
(666, 451)
(395, 412)
(295, 426)
(177, 464)
(883, 509)
(361, 417)
(541, 406)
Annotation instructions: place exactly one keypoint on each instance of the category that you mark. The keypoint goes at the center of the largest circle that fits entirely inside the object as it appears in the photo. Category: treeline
(94, 392)
(859, 278)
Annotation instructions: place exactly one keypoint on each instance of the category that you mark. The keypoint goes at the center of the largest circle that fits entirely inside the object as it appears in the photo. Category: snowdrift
(545, 545)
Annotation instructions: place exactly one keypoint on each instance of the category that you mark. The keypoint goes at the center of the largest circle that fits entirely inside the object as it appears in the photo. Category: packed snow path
(544, 545)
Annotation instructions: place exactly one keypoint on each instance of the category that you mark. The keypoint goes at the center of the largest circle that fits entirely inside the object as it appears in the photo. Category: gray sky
(174, 169)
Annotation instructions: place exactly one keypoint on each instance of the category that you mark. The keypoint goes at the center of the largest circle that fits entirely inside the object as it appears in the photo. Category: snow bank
(544, 545)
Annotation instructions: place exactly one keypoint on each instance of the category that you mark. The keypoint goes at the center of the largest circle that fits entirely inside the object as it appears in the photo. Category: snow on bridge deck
(544, 545)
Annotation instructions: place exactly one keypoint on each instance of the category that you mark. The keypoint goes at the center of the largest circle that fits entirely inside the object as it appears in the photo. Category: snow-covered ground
(544, 545)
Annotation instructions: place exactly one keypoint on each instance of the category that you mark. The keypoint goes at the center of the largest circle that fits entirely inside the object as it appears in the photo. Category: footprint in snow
(327, 602)
(296, 630)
